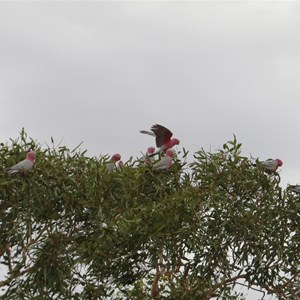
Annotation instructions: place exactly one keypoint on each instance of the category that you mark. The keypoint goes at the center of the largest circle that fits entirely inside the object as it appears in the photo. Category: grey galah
(162, 137)
(166, 162)
(24, 165)
(271, 165)
(111, 165)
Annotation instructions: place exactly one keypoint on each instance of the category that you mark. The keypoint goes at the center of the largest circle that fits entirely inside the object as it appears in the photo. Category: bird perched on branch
(111, 165)
(166, 162)
(24, 165)
(163, 137)
(148, 158)
(271, 165)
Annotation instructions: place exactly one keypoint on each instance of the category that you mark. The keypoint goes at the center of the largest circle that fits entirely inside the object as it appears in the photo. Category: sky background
(99, 72)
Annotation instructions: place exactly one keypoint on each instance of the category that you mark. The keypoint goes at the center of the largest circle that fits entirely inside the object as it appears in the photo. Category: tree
(72, 230)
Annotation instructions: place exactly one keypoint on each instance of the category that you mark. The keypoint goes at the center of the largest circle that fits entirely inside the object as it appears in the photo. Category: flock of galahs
(164, 143)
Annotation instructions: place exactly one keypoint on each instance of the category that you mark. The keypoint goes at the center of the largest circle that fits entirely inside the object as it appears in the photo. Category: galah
(24, 165)
(162, 137)
(148, 159)
(166, 162)
(111, 165)
(150, 150)
(294, 188)
(271, 165)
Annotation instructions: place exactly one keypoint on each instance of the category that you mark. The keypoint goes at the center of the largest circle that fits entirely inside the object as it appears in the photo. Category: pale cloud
(101, 71)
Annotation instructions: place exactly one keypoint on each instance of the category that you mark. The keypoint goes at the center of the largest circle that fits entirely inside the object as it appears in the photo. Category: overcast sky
(99, 72)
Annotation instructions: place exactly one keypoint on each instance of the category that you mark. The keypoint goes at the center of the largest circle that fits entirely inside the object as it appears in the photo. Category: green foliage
(72, 230)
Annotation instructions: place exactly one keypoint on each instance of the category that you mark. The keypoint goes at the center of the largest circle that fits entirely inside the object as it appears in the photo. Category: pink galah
(166, 162)
(24, 165)
(271, 165)
(162, 137)
(111, 165)
(148, 157)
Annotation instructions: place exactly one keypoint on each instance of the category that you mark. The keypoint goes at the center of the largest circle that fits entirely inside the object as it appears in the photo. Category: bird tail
(147, 132)
(11, 171)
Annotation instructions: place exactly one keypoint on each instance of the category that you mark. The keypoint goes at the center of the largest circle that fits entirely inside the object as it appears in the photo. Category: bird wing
(23, 165)
(162, 134)
(269, 164)
(111, 166)
(164, 163)
(147, 132)
(13, 169)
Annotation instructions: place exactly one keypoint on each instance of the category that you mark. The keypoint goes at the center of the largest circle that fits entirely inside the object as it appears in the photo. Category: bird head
(278, 162)
(31, 155)
(116, 157)
(170, 153)
(150, 150)
(175, 142)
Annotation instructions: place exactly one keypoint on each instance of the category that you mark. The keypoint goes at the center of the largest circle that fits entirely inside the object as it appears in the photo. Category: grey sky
(99, 72)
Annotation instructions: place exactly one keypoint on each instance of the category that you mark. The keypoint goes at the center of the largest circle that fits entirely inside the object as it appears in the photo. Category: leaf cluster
(72, 230)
